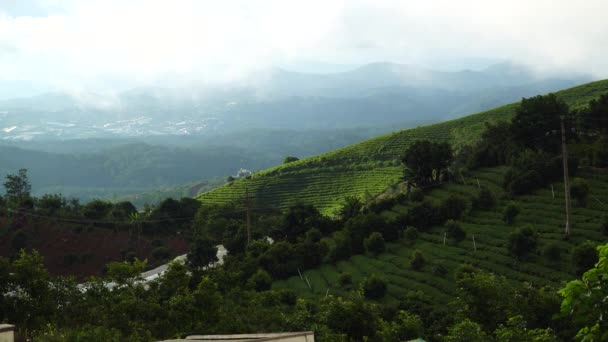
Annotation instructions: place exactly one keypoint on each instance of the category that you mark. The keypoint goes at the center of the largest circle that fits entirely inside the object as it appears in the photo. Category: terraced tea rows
(366, 167)
(543, 211)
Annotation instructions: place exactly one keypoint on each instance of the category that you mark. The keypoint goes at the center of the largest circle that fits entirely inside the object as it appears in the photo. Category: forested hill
(367, 168)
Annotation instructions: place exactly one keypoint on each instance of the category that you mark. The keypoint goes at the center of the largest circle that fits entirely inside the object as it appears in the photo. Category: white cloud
(136, 41)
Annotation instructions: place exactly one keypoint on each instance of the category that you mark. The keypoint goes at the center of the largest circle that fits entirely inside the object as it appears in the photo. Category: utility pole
(248, 213)
(566, 184)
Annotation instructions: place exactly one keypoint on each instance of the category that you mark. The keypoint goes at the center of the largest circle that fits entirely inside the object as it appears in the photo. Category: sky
(124, 43)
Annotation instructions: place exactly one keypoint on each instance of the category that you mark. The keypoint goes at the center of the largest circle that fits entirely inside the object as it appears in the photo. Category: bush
(579, 190)
(439, 270)
(374, 288)
(552, 252)
(485, 199)
(411, 234)
(522, 241)
(454, 230)
(290, 159)
(374, 244)
(345, 279)
(424, 215)
(584, 257)
(417, 260)
(453, 207)
(510, 212)
(260, 281)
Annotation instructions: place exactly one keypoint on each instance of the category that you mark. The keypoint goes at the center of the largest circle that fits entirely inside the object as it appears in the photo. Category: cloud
(119, 42)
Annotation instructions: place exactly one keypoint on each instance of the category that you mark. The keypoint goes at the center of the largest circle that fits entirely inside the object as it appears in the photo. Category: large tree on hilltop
(427, 160)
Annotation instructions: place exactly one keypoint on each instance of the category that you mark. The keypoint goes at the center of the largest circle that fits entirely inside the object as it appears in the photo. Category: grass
(541, 210)
(366, 168)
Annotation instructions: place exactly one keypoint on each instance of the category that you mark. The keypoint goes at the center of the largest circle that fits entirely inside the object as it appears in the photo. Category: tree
(202, 253)
(290, 159)
(579, 190)
(537, 116)
(453, 207)
(411, 234)
(260, 281)
(516, 331)
(17, 186)
(552, 252)
(522, 241)
(374, 287)
(406, 326)
(454, 230)
(427, 160)
(584, 256)
(510, 212)
(604, 225)
(466, 331)
(351, 208)
(374, 244)
(595, 117)
(485, 199)
(345, 279)
(417, 260)
(585, 300)
(97, 209)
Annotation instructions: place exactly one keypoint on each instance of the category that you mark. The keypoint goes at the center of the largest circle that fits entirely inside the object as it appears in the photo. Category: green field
(367, 167)
(544, 212)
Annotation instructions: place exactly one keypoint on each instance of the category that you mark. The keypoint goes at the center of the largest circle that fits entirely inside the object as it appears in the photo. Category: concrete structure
(303, 336)
(7, 333)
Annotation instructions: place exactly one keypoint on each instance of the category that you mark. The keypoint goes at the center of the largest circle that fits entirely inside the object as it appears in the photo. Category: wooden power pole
(566, 183)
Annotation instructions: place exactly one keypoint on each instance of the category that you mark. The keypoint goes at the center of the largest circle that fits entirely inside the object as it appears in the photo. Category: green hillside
(367, 167)
(540, 209)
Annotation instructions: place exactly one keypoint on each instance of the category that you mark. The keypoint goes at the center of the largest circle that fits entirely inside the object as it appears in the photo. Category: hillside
(539, 209)
(367, 167)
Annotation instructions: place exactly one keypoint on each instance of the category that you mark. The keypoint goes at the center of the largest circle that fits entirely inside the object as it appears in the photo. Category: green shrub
(510, 212)
(552, 252)
(604, 225)
(374, 244)
(345, 279)
(440, 270)
(584, 257)
(579, 190)
(485, 199)
(522, 241)
(417, 260)
(454, 230)
(290, 159)
(411, 234)
(374, 288)
(453, 207)
(260, 281)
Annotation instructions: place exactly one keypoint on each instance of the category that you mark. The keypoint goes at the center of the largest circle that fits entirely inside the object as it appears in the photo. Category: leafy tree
(355, 318)
(522, 241)
(595, 117)
(427, 160)
(604, 225)
(453, 207)
(510, 212)
(584, 300)
(537, 116)
(495, 146)
(351, 208)
(50, 205)
(374, 287)
(406, 326)
(417, 260)
(485, 199)
(579, 190)
(374, 244)
(483, 297)
(424, 215)
(202, 253)
(466, 331)
(417, 195)
(290, 159)
(454, 230)
(123, 210)
(411, 234)
(97, 210)
(230, 179)
(600, 152)
(17, 186)
(260, 281)
(584, 256)
(552, 252)
(516, 331)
